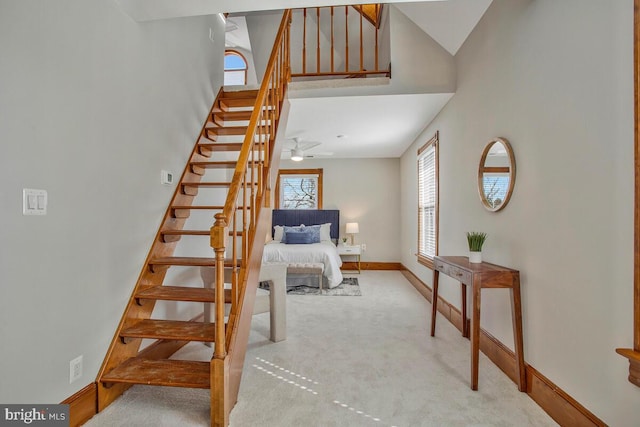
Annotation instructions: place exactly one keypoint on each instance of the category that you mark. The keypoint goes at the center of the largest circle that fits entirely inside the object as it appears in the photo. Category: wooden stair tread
(182, 293)
(233, 116)
(212, 165)
(193, 232)
(163, 372)
(213, 207)
(206, 184)
(187, 232)
(226, 103)
(226, 146)
(247, 93)
(189, 261)
(169, 236)
(171, 330)
(227, 130)
(205, 207)
(186, 261)
(221, 146)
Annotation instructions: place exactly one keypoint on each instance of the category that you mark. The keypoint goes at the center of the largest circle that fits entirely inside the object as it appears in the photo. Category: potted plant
(344, 241)
(476, 240)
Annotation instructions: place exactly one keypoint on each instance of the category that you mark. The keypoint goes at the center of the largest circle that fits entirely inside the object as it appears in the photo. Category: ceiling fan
(298, 150)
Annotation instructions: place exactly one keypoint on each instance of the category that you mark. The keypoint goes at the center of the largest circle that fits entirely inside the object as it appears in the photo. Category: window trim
(299, 172)
(633, 354)
(424, 259)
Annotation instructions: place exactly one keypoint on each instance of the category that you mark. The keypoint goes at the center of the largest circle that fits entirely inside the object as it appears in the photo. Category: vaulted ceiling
(371, 126)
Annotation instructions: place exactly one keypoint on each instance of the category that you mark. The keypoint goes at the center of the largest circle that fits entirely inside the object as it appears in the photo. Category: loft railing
(342, 41)
(234, 230)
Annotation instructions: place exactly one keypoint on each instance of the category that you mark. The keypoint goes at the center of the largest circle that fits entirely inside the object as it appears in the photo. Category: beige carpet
(364, 361)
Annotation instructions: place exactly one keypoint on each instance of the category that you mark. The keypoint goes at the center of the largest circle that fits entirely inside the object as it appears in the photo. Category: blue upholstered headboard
(293, 217)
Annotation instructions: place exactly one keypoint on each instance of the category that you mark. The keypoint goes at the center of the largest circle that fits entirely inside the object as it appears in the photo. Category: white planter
(475, 257)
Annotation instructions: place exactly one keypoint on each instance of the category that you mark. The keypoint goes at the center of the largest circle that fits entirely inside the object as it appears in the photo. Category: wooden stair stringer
(120, 351)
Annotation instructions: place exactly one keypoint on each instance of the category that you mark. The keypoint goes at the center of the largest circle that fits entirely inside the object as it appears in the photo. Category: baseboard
(82, 405)
(560, 406)
(349, 265)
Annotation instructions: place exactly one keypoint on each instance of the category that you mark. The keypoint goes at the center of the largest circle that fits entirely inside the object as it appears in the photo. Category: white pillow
(325, 232)
(278, 233)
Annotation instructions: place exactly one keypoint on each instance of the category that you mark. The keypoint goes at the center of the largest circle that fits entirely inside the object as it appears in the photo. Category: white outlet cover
(75, 369)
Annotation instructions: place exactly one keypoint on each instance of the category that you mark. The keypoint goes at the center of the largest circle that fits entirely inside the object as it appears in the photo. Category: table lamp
(352, 228)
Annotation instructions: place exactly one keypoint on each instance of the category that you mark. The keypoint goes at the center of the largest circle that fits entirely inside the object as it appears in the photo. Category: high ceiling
(369, 126)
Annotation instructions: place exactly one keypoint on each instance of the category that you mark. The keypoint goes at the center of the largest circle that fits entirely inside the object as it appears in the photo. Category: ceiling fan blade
(309, 145)
(321, 154)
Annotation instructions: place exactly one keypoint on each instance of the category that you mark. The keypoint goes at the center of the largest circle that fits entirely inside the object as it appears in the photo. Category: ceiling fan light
(296, 155)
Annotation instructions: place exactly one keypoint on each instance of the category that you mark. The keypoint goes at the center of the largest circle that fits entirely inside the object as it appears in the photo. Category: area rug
(348, 287)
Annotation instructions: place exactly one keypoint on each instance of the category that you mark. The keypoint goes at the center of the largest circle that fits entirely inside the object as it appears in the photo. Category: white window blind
(299, 192)
(427, 201)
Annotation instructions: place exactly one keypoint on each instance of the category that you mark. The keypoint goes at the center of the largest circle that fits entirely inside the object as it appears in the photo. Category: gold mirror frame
(511, 170)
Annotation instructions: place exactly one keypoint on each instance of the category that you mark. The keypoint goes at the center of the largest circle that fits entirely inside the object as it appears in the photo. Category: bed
(290, 222)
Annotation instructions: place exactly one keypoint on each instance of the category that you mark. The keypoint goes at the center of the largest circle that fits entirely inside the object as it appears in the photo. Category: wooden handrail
(359, 46)
(250, 178)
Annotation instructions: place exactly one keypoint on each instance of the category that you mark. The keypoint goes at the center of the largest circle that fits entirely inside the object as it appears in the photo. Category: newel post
(220, 398)
(219, 233)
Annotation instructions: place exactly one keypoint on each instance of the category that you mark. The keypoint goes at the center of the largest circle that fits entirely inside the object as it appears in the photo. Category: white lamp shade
(352, 228)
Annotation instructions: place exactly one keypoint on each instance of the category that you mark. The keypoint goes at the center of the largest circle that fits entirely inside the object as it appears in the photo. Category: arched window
(235, 68)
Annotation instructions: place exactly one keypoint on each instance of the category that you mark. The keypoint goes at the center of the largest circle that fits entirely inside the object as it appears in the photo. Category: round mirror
(496, 174)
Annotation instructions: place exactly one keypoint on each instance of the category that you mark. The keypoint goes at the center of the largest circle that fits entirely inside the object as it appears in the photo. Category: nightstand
(353, 251)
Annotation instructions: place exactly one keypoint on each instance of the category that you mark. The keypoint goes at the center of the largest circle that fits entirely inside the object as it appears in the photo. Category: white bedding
(324, 252)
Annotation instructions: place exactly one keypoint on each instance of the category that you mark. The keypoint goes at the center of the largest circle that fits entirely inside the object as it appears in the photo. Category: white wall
(93, 105)
(556, 79)
(365, 191)
(263, 28)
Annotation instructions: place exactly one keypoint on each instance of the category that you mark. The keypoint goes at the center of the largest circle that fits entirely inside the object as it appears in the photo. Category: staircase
(237, 140)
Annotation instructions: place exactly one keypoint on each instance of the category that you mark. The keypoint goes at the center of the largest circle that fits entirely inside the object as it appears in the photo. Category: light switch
(34, 202)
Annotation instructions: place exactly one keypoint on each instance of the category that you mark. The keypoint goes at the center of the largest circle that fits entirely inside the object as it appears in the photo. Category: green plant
(476, 240)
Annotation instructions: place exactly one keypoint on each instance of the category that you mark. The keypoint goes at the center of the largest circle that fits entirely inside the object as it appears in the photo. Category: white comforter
(323, 252)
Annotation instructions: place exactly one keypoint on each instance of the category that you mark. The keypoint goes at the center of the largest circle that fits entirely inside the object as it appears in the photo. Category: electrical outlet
(363, 246)
(75, 369)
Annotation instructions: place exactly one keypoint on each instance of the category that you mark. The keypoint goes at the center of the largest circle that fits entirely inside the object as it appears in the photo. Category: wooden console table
(479, 276)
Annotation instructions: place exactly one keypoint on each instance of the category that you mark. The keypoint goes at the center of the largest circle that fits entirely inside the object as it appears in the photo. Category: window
(299, 189)
(428, 202)
(235, 68)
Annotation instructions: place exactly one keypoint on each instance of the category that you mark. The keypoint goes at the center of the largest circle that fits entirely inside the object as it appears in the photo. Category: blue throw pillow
(302, 237)
(290, 230)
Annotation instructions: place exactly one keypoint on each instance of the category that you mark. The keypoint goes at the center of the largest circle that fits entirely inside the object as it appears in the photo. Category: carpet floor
(346, 362)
